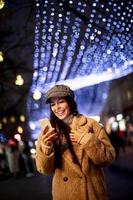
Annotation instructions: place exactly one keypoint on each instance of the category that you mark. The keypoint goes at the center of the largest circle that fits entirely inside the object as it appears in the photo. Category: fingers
(49, 136)
(45, 129)
(73, 138)
(47, 132)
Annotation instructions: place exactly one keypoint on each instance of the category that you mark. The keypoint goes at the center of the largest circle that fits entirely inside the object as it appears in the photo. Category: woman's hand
(80, 136)
(74, 137)
(49, 135)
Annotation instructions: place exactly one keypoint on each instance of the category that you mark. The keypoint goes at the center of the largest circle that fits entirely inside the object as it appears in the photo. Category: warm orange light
(1, 56)
(12, 119)
(19, 80)
(37, 95)
(2, 3)
(17, 137)
(20, 129)
(22, 118)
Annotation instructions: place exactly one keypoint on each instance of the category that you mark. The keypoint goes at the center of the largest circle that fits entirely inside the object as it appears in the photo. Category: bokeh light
(81, 44)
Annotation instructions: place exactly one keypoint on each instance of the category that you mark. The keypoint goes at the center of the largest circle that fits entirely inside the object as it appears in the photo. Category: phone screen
(44, 122)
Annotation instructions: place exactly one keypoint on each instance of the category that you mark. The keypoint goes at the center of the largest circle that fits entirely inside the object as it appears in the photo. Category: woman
(74, 150)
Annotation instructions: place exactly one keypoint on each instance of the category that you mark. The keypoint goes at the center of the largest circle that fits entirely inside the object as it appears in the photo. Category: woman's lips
(60, 113)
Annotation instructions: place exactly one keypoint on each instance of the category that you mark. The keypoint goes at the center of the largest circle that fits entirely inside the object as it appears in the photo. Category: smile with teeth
(61, 112)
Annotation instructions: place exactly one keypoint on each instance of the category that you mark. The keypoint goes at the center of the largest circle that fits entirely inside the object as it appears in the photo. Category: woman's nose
(57, 106)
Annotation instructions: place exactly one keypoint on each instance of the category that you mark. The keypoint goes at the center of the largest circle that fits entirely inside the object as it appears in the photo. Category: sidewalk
(125, 160)
(119, 176)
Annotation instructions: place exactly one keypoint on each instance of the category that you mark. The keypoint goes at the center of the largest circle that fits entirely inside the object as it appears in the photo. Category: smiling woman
(60, 108)
(74, 150)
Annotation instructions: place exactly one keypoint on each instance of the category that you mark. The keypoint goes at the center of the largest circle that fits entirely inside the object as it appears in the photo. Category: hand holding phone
(48, 132)
(45, 122)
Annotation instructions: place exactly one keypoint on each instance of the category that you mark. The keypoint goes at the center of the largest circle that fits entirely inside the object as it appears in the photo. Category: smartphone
(44, 122)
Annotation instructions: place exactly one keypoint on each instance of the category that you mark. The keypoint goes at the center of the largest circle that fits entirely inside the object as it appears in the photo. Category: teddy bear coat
(85, 181)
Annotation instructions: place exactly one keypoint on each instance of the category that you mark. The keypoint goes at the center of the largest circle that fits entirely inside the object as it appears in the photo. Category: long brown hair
(63, 129)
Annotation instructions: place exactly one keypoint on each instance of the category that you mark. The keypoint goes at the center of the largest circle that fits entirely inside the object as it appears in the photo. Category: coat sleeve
(44, 163)
(98, 146)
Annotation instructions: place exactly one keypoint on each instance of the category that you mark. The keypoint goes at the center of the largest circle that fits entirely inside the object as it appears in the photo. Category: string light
(32, 125)
(37, 95)
(19, 80)
(12, 119)
(60, 60)
(20, 129)
(81, 44)
(17, 137)
(4, 120)
(1, 56)
(2, 3)
(0, 126)
(22, 118)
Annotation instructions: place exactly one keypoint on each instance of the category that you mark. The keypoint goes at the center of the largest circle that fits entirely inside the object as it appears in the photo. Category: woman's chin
(61, 117)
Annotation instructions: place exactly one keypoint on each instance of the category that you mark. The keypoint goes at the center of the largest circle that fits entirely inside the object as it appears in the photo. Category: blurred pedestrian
(27, 159)
(115, 141)
(12, 154)
(130, 131)
(121, 134)
(4, 169)
(74, 150)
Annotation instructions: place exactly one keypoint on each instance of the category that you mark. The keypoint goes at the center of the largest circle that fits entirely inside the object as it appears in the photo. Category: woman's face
(60, 107)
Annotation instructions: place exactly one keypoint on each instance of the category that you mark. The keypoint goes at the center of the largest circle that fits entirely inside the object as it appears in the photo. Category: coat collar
(78, 121)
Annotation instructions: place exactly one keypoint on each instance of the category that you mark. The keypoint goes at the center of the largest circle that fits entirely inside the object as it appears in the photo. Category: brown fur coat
(86, 182)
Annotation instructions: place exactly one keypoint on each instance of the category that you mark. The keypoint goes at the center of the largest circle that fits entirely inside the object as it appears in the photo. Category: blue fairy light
(77, 41)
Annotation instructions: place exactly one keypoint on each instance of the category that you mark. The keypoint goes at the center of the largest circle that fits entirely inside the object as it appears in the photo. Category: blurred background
(85, 44)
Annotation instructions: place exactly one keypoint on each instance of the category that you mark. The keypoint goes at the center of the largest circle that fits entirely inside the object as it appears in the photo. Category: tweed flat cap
(59, 91)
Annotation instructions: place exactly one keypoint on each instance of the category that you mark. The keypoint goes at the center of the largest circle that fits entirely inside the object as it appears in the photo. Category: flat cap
(59, 91)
